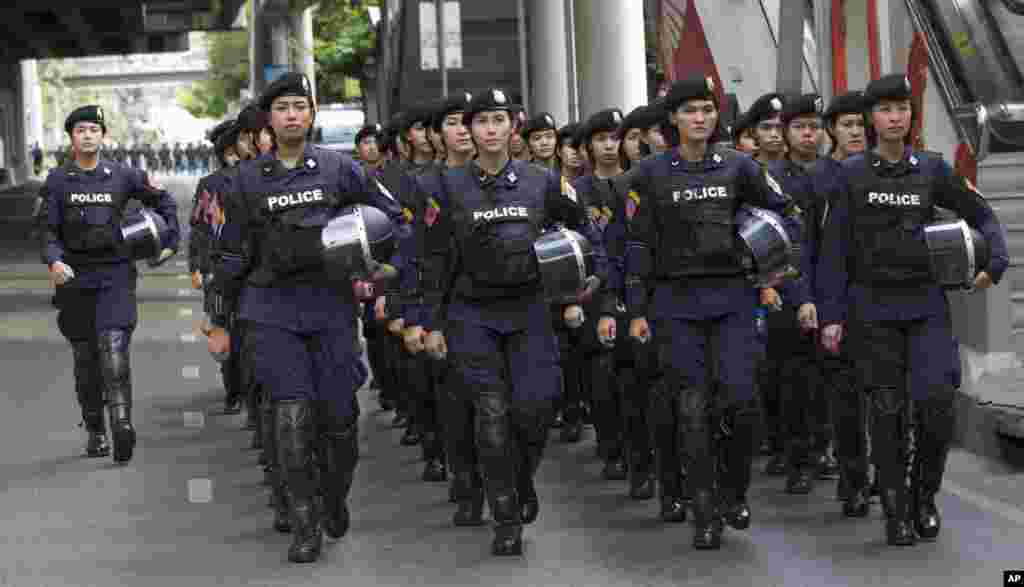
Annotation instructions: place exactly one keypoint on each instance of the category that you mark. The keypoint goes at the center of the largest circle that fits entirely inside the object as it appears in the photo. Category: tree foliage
(229, 75)
(343, 40)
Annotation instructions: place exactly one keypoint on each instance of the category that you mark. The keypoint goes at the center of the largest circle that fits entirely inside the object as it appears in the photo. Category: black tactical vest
(92, 216)
(293, 221)
(887, 218)
(695, 212)
(496, 225)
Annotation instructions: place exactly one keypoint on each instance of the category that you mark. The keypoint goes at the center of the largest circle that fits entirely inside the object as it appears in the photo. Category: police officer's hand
(639, 330)
(395, 326)
(606, 330)
(380, 309)
(770, 297)
(363, 290)
(164, 256)
(197, 280)
(573, 316)
(807, 316)
(832, 337)
(983, 281)
(413, 337)
(218, 342)
(60, 273)
(435, 345)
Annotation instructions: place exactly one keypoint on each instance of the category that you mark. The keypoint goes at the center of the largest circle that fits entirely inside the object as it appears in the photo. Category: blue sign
(272, 72)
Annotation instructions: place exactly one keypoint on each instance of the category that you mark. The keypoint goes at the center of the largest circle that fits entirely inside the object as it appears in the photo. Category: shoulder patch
(408, 215)
(568, 190)
(431, 213)
(632, 203)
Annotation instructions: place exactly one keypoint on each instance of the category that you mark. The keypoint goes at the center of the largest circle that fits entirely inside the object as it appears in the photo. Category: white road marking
(992, 506)
(200, 490)
(194, 419)
(184, 276)
(184, 312)
(190, 371)
(187, 293)
(181, 263)
(189, 337)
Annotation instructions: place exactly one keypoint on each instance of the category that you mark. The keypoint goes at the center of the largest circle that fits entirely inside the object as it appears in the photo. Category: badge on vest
(290, 200)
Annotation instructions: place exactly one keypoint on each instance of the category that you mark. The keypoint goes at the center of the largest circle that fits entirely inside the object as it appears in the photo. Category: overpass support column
(610, 58)
(274, 29)
(548, 59)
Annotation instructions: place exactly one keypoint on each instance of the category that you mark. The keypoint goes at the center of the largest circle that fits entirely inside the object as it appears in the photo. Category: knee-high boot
(936, 423)
(738, 459)
(694, 408)
(893, 446)
(117, 381)
(293, 421)
(89, 389)
(342, 448)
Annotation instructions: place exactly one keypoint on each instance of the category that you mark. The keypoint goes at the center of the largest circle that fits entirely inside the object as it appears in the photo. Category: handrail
(1015, 6)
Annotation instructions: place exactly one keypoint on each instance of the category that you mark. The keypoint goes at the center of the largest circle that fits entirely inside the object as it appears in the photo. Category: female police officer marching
(874, 278)
(487, 304)
(301, 325)
(682, 270)
(91, 265)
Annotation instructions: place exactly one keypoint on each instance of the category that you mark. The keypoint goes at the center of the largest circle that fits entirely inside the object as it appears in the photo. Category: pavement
(189, 508)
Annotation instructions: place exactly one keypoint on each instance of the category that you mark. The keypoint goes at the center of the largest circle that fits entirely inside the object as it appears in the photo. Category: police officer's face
(86, 137)
(456, 135)
(655, 140)
(491, 131)
(696, 120)
(435, 139)
(516, 145)
(804, 135)
(231, 157)
(266, 140)
(849, 133)
(417, 138)
(891, 119)
(769, 135)
(369, 150)
(570, 157)
(747, 142)
(542, 144)
(631, 144)
(605, 147)
(290, 117)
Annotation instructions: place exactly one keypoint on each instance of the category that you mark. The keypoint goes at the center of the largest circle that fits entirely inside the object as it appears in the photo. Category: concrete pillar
(32, 98)
(302, 32)
(548, 58)
(257, 51)
(790, 66)
(610, 57)
(823, 36)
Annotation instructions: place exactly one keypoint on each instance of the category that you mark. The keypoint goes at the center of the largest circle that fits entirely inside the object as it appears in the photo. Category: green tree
(229, 75)
(343, 40)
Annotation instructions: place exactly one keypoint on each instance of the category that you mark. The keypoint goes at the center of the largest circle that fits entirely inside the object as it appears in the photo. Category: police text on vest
(92, 199)
(506, 212)
(894, 199)
(288, 200)
(703, 193)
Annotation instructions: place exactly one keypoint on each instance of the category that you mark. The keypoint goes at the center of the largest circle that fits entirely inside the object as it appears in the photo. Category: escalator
(976, 49)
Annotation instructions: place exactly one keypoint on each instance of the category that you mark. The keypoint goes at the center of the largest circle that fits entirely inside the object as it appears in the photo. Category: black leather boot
(641, 485)
(434, 470)
(469, 495)
(508, 530)
(707, 523)
(342, 450)
(293, 421)
(798, 479)
(673, 507)
(856, 504)
(117, 381)
(893, 447)
(936, 423)
(738, 449)
(96, 445)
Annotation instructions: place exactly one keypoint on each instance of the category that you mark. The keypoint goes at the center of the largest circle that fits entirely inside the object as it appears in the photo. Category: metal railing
(970, 69)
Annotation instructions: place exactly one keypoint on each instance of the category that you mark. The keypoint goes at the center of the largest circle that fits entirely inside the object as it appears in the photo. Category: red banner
(683, 49)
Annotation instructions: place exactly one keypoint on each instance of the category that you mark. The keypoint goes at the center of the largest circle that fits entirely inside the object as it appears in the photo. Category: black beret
(608, 119)
(91, 113)
(894, 86)
(543, 121)
(801, 106)
(289, 84)
(226, 139)
(638, 118)
(568, 133)
(848, 103)
(252, 118)
(215, 133)
(765, 107)
(492, 99)
(417, 113)
(374, 130)
(453, 104)
(739, 125)
(692, 88)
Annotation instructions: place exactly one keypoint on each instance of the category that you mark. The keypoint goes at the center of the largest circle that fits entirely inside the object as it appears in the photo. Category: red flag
(683, 49)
